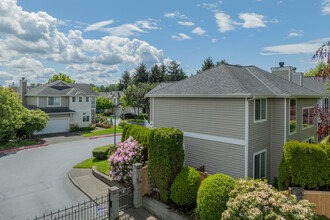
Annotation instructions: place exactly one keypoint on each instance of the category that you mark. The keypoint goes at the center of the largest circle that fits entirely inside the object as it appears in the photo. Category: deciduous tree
(63, 77)
(103, 103)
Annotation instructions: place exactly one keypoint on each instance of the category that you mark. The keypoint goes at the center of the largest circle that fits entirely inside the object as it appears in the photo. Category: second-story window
(87, 99)
(80, 99)
(260, 110)
(293, 115)
(308, 118)
(73, 99)
(54, 101)
(93, 100)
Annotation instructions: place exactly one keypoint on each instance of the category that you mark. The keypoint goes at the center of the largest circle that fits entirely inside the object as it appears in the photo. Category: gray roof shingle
(59, 88)
(233, 80)
(316, 85)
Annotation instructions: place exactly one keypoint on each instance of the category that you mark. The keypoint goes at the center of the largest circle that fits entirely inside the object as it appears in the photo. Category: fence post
(114, 199)
(137, 184)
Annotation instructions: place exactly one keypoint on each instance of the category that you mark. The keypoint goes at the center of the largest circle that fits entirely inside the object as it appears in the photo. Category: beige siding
(277, 136)
(302, 134)
(259, 136)
(42, 101)
(211, 116)
(216, 156)
(31, 100)
(64, 101)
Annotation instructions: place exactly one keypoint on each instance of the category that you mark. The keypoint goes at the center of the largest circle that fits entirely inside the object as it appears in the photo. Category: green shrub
(142, 116)
(185, 186)
(89, 128)
(112, 149)
(166, 157)
(139, 133)
(305, 165)
(213, 195)
(101, 119)
(101, 153)
(292, 126)
(123, 123)
(326, 140)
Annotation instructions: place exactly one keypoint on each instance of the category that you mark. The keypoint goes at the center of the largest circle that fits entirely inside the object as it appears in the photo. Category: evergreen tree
(141, 74)
(221, 62)
(125, 79)
(174, 72)
(157, 74)
(208, 64)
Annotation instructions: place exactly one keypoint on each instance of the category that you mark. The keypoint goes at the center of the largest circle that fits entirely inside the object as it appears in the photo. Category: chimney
(22, 90)
(284, 72)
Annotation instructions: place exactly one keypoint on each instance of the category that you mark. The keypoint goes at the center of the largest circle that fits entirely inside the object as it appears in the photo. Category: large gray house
(236, 119)
(67, 104)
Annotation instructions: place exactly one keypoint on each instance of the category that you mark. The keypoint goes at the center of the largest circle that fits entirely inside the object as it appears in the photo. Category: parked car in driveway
(127, 116)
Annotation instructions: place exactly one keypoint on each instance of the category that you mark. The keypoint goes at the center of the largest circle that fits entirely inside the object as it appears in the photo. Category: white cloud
(198, 31)
(98, 25)
(214, 40)
(175, 14)
(181, 36)
(5, 76)
(295, 33)
(224, 22)
(25, 64)
(252, 20)
(186, 23)
(308, 47)
(326, 7)
(210, 6)
(35, 35)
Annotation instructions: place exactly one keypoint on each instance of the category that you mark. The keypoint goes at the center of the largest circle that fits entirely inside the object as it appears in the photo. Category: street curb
(23, 148)
(110, 135)
(76, 185)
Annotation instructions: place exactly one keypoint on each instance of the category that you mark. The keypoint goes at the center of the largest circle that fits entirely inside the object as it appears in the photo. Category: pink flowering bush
(255, 199)
(122, 160)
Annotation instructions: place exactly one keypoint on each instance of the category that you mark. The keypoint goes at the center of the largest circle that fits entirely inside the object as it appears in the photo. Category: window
(73, 99)
(310, 140)
(80, 99)
(326, 103)
(87, 99)
(259, 165)
(293, 115)
(308, 118)
(85, 117)
(260, 109)
(93, 100)
(54, 101)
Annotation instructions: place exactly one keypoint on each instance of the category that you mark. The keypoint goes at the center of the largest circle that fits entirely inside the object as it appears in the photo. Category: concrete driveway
(35, 181)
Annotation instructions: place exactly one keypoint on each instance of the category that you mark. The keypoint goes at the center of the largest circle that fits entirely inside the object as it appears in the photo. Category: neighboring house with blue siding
(236, 119)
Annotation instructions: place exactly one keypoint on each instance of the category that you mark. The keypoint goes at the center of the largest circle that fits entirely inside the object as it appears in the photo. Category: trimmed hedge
(305, 165)
(139, 133)
(212, 196)
(101, 153)
(185, 186)
(142, 116)
(89, 128)
(166, 157)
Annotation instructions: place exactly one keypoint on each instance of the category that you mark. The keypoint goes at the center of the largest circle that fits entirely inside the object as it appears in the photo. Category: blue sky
(95, 41)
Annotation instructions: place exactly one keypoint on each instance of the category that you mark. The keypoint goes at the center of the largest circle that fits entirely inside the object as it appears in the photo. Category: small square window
(87, 99)
(80, 99)
(73, 99)
(85, 117)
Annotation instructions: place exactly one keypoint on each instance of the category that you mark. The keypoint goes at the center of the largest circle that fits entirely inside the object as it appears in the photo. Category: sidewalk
(84, 180)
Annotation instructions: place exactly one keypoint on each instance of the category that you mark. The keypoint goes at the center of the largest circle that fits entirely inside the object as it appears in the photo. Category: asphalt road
(35, 181)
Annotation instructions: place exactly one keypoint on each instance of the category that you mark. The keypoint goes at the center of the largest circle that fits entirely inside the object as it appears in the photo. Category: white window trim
(290, 116)
(54, 105)
(256, 153)
(302, 118)
(254, 111)
(79, 99)
(75, 99)
(308, 139)
(87, 98)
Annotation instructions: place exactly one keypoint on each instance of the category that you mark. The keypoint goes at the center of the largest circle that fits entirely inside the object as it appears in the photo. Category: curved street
(35, 181)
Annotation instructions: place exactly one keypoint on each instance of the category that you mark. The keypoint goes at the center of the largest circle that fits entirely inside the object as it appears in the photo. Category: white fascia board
(243, 95)
(215, 138)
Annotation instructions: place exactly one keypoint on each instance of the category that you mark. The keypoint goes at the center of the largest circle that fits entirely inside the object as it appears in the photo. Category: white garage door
(55, 125)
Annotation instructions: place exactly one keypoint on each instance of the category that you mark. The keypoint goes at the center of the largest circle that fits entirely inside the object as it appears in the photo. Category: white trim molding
(54, 101)
(302, 118)
(246, 167)
(215, 138)
(254, 111)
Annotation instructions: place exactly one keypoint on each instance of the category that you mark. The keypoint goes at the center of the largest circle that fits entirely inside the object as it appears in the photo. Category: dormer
(60, 85)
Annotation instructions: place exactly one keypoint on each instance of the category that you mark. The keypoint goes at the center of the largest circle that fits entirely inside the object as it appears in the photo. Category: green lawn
(4, 145)
(137, 120)
(102, 132)
(101, 165)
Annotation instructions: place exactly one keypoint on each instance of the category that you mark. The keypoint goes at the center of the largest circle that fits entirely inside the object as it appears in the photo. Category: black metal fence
(97, 209)
(125, 198)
